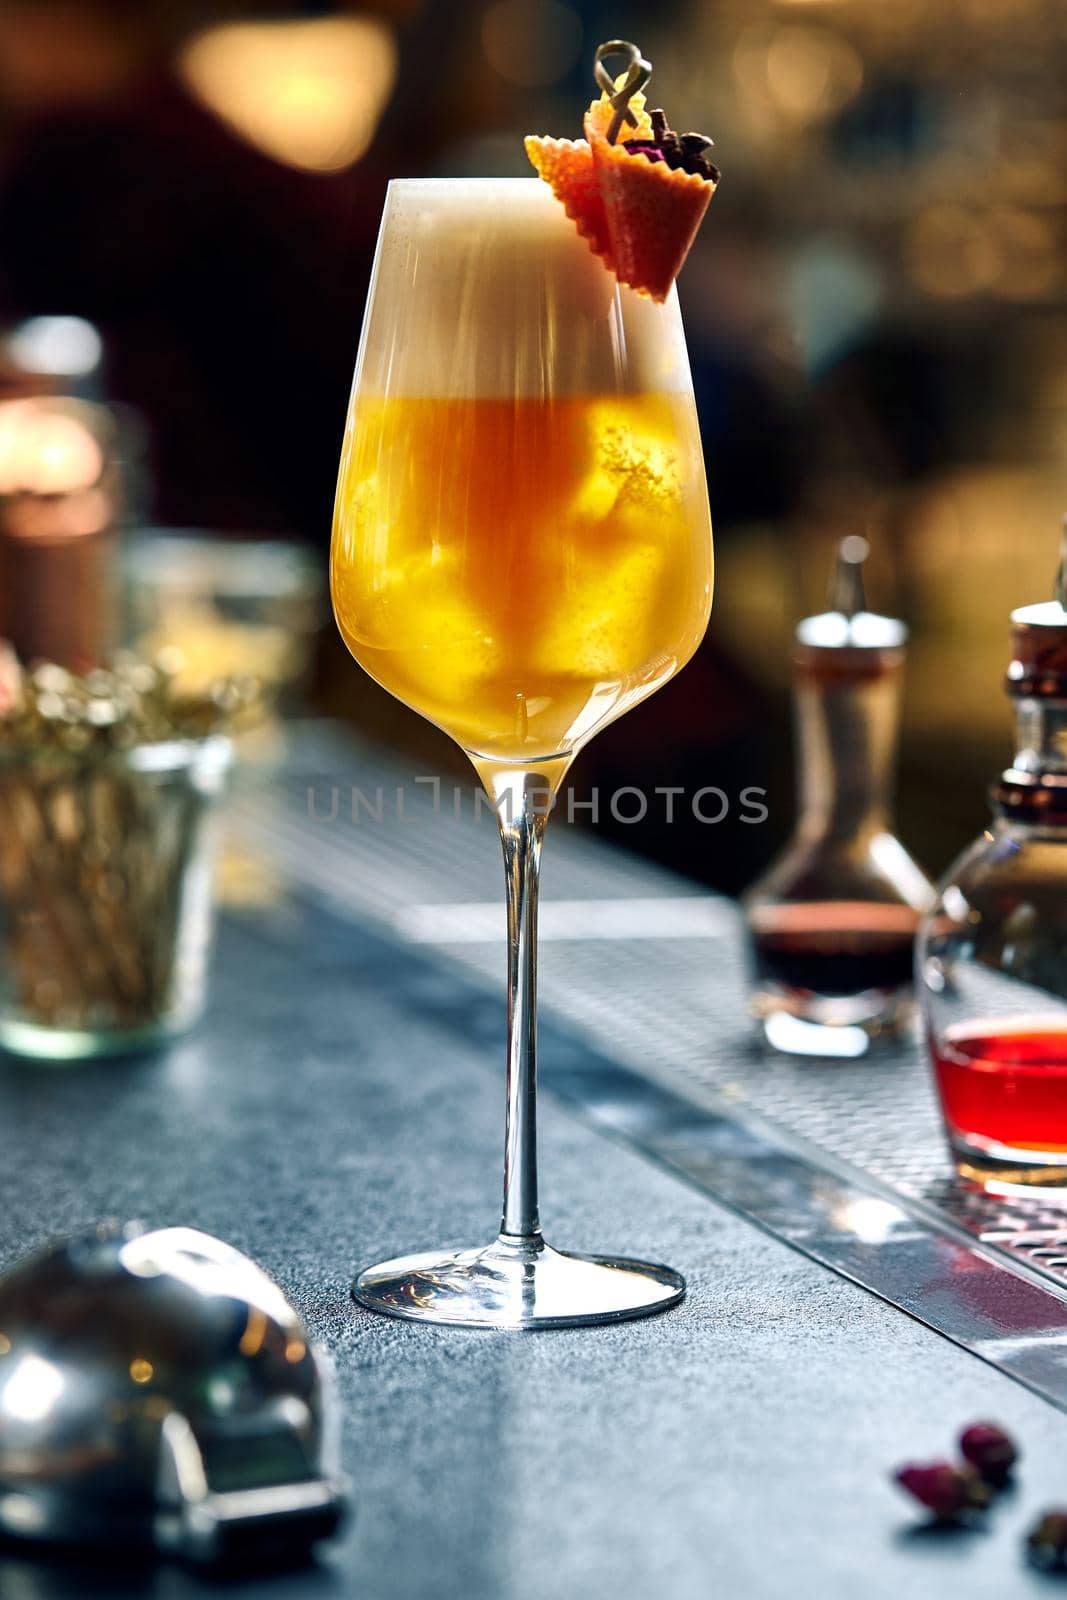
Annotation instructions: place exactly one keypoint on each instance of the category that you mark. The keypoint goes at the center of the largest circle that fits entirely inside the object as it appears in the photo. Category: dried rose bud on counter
(1046, 1543)
(991, 1452)
(946, 1490)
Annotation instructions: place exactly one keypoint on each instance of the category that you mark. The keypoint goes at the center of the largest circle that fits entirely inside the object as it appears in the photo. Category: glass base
(1005, 1169)
(40, 1042)
(845, 1026)
(795, 1036)
(517, 1284)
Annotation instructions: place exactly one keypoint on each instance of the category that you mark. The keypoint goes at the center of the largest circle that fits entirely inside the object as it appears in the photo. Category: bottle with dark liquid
(832, 924)
(993, 951)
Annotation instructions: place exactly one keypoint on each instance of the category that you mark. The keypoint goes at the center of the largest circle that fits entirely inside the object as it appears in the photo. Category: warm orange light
(67, 516)
(796, 72)
(1029, 246)
(952, 252)
(811, 72)
(531, 42)
(46, 448)
(307, 93)
(255, 1332)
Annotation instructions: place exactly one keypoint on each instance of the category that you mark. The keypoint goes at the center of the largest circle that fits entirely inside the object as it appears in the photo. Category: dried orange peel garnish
(639, 202)
(566, 165)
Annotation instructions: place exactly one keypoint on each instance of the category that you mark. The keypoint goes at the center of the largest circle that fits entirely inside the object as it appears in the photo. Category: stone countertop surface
(332, 1111)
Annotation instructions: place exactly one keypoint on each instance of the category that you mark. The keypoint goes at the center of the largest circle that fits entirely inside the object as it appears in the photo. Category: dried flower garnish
(990, 1451)
(48, 709)
(1046, 1543)
(682, 152)
(105, 780)
(947, 1491)
(638, 203)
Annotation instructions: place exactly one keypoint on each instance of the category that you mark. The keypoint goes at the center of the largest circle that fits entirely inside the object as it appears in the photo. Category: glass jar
(105, 895)
(993, 951)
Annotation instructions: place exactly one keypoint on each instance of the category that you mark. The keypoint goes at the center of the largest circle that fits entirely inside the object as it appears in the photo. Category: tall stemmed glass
(521, 552)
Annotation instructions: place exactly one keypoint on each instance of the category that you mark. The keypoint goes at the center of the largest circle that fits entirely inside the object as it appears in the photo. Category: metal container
(158, 1390)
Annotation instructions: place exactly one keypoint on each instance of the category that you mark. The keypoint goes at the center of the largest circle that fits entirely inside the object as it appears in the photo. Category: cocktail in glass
(521, 552)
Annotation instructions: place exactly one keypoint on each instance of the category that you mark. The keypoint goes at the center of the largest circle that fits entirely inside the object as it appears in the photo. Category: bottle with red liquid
(832, 924)
(993, 951)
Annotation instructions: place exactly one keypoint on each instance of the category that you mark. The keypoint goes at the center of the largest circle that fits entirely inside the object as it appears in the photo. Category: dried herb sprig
(46, 708)
(99, 932)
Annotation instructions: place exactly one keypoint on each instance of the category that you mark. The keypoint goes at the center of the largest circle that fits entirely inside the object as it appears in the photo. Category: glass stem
(522, 808)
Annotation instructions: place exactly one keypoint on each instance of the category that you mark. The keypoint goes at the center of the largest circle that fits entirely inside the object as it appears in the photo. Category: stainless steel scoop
(157, 1388)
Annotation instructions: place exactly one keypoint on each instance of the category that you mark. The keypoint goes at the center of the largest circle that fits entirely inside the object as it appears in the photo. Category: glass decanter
(993, 951)
(832, 923)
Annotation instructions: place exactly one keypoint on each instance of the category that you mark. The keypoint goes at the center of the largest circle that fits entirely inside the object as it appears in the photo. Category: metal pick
(639, 71)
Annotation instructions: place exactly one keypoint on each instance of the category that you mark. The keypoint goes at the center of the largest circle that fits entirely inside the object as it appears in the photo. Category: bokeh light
(531, 43)
(46, 449)
(307, 93)
(802, 73)
(950, 251)
(66, 347)
(1030, 254)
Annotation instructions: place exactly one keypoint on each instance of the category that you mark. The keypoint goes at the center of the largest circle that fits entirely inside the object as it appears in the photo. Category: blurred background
(189, 198)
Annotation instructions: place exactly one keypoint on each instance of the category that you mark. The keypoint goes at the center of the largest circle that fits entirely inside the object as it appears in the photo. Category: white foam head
(483, 287)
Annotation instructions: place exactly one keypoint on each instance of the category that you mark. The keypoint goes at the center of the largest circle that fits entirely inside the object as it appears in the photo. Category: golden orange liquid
(522, 571)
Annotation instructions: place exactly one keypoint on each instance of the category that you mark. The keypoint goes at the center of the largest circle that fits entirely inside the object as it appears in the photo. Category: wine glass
(521, 552)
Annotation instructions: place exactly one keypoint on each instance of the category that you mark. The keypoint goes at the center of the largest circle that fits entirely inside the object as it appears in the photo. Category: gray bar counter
(342, 1102)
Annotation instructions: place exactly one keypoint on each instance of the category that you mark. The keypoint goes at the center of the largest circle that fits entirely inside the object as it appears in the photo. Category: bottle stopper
(1038, 667)
(848, 638)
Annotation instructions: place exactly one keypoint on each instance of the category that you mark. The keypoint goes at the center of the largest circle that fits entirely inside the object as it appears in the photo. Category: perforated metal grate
(671, 1007)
